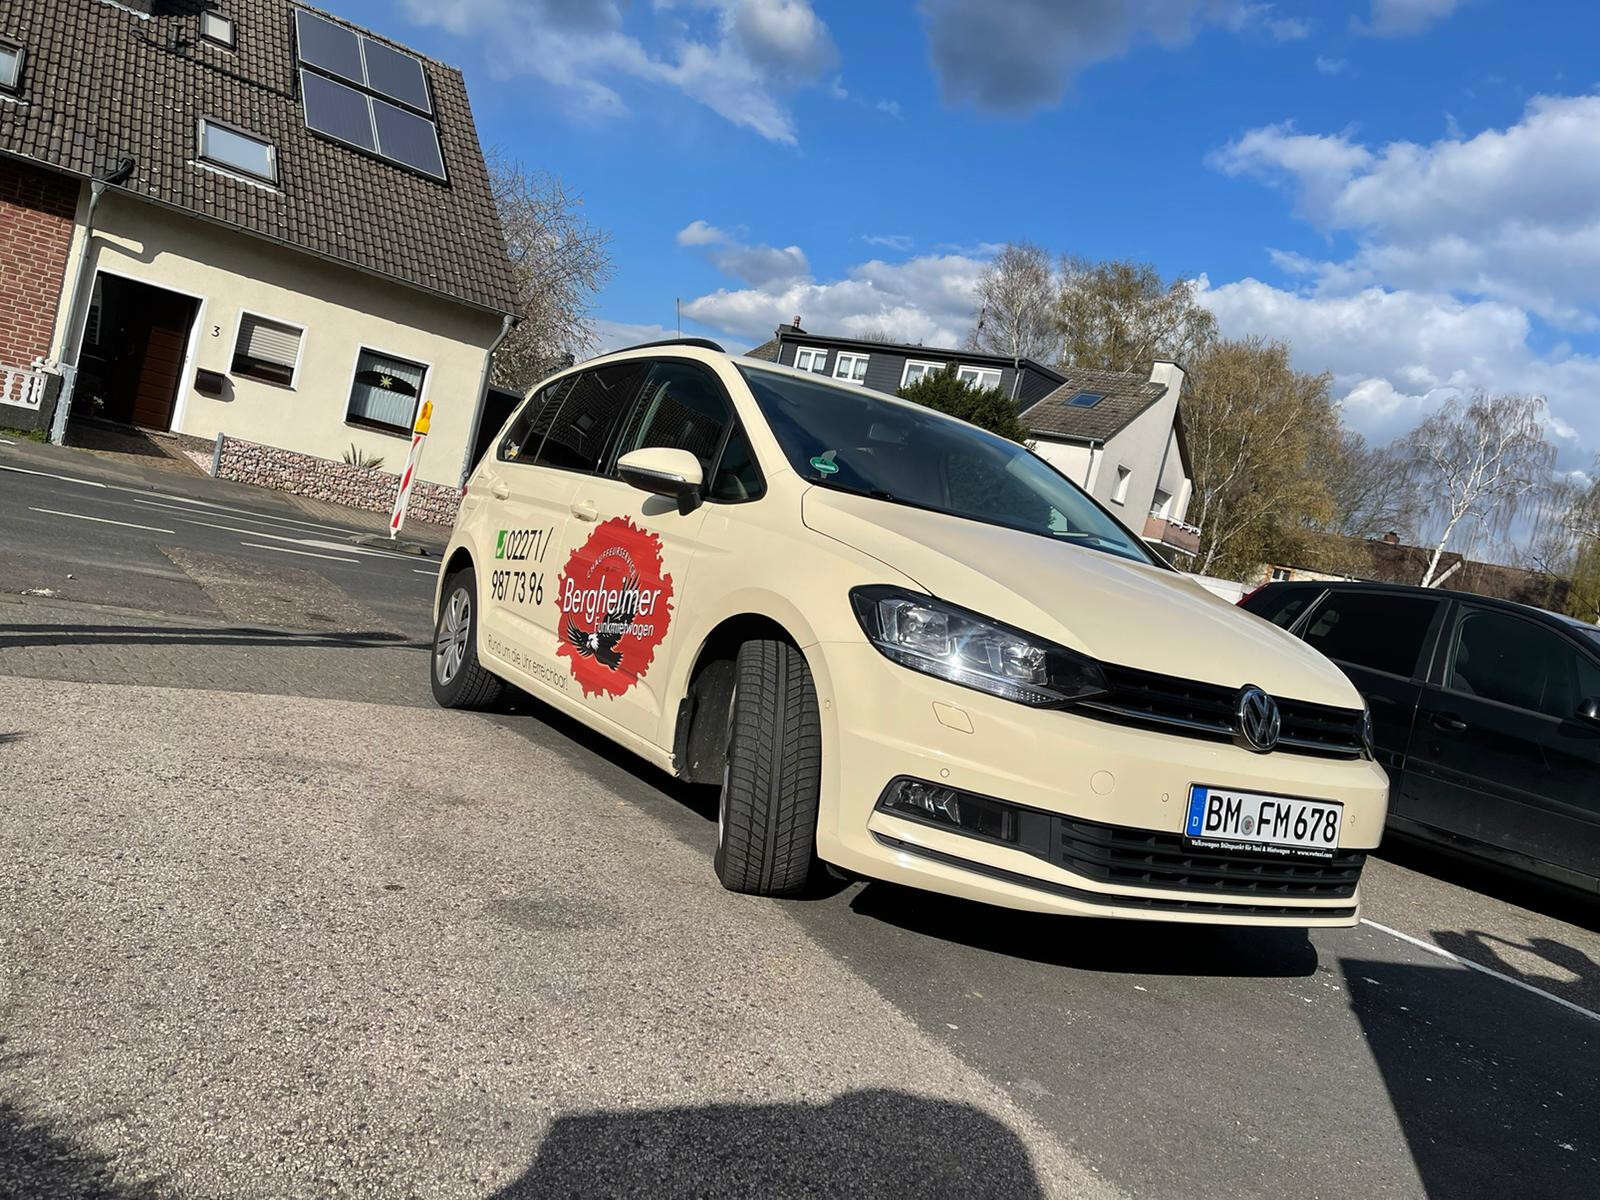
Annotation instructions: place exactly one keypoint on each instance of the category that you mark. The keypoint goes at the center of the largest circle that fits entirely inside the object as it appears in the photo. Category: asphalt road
(272, 925)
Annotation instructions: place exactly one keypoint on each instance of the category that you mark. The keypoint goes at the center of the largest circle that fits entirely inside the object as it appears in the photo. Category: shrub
(987, 408)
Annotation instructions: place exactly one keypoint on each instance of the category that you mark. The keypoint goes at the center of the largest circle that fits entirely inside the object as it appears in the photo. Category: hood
(1110, 608)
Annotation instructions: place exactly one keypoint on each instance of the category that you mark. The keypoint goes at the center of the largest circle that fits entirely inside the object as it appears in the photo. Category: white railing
(22, 388)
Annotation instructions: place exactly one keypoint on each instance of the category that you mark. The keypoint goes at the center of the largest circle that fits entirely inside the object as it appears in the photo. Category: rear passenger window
(1369, 629)
(1281, 605)
(520, 442)
(588, 416)
(1517, 662)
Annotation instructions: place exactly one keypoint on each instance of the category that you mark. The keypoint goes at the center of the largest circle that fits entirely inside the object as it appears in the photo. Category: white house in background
(1121, 437)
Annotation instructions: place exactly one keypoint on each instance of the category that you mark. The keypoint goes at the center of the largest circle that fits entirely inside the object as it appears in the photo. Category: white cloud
(736, 57)
(1020, 55)
(1332, 66)
(927, 299)
(1510, 214)
(615, 335)
(889, 241)
(757, 265)
(1401, 18)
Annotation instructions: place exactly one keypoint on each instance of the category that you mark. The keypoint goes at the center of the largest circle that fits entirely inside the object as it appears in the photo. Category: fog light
(935, 804)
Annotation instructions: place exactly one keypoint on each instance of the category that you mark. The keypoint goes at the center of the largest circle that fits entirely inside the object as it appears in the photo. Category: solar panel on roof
(1086, 399)
(408, 138)
(396, 75)
(338, 111)
(331, 47)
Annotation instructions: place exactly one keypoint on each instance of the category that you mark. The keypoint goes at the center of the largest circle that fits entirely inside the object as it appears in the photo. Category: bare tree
(1256, 431)
(1017, 300)
(1374, 491)
(559, 262)
(1480, 464)
(1121, 316)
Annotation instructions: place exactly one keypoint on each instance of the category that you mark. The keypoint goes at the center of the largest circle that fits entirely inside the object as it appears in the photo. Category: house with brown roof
(1120, 436)
(247, 218)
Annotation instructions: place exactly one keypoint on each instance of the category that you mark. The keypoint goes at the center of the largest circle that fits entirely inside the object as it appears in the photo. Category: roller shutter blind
(266, 350)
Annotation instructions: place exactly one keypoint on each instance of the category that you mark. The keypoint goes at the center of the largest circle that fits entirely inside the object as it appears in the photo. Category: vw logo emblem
(1257, 719)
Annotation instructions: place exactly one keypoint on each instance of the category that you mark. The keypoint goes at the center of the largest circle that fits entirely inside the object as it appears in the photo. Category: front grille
(1206, 710)
(1142, 858)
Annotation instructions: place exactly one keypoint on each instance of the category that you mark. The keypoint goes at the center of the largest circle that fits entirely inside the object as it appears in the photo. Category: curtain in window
(386, 390)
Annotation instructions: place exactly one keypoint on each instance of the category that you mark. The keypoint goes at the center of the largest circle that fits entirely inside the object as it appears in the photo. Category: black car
(1486, 714)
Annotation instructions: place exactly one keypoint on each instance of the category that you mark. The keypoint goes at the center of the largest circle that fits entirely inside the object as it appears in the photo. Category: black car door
(1499, 754)
(1379, 640)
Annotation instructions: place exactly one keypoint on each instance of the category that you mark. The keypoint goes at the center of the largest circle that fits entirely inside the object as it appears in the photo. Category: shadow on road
(1093, 945)
(1573, 975)
(877, 1143)
(36, 1160)
(1565, 904)
(207, 635)
(1495, 1090)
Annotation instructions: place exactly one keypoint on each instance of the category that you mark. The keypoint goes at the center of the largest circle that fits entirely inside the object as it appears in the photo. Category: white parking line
(1490, 971)
(53, 475)
(306, 553)
(56, 512)
(6, 442)
(430, 574)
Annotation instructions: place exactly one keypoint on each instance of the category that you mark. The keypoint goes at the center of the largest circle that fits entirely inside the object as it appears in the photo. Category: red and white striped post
(402, 498)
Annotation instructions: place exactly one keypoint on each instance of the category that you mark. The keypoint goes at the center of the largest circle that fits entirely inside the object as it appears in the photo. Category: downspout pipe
(121, 173)
(467, 464)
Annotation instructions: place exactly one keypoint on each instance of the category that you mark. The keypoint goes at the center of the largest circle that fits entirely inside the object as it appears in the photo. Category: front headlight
(940, 639)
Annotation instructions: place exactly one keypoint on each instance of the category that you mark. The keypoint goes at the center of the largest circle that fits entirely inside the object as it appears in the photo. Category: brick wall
(36, 218)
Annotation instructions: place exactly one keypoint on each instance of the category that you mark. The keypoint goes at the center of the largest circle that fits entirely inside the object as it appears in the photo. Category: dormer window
(10, 68)
(236, 150)
(215, 27)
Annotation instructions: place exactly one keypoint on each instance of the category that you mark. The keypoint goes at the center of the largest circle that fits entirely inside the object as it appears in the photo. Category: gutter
(506, 322)
(97, 188)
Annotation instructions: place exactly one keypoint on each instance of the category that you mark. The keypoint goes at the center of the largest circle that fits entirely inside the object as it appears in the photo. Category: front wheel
(767, 817)
(459, 680)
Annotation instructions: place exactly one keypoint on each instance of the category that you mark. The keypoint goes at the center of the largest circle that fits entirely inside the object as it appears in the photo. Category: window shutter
(268, 341)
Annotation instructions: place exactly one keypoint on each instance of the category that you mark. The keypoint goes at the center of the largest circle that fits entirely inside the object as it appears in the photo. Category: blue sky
(1406, 190)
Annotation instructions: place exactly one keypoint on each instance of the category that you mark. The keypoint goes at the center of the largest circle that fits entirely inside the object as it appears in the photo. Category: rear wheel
(459, 680)
(767, 817)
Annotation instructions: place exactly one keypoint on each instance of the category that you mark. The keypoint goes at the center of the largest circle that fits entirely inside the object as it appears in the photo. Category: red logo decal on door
(615, 607)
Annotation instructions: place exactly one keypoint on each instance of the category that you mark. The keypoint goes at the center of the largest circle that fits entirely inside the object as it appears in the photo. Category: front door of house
(143, 339)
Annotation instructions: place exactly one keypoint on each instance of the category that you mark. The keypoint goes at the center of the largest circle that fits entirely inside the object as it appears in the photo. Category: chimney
(1391, 538)
(796, 323)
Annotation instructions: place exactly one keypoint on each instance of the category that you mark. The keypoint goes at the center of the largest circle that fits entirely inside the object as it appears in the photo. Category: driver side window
(1517, 662)
(682, 406)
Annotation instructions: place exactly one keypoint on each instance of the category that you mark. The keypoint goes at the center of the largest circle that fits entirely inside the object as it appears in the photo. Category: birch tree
(559, 263)
(1120, 316)
(1478, 464)
(1016, 305)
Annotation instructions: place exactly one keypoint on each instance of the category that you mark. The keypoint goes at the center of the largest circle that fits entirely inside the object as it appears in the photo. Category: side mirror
(663, 472)
(1589, 711)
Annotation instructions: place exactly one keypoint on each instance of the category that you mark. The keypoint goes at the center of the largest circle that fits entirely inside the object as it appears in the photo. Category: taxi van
(901, 646)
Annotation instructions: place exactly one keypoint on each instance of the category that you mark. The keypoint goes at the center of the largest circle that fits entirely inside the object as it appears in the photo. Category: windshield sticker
(615, 604)
(823, 464)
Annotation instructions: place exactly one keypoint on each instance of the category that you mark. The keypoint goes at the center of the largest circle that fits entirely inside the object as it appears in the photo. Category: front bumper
(883, 721)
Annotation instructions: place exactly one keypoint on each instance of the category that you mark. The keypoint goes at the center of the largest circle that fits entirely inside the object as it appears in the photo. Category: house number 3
(216, 331)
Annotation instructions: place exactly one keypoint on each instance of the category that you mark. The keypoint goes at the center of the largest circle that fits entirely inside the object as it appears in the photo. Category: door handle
(583, 510)
(1447, 722)
(500, 490)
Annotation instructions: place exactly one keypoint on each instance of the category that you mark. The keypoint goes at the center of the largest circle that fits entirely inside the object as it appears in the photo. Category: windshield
(855, 441)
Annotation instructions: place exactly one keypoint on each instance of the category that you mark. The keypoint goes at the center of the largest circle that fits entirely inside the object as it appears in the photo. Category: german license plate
(1223, 819)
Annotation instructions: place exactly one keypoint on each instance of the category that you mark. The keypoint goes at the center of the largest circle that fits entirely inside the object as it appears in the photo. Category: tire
(459, 680)
(767, 817)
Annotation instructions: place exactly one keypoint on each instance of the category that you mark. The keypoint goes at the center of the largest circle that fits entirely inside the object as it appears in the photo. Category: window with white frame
(10, 67)
(979, 377)
(916, 371)
(1161, 504)
(215, 27)
(1280, 575)
(1119, 493)
(224, 146)
(266, 350)
(811, 358)
(385, 392)
(852, 367)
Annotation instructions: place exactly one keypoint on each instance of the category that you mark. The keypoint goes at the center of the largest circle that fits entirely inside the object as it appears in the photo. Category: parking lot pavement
(281, 927)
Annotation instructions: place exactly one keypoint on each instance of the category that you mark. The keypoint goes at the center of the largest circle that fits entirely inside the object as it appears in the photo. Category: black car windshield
(854, 441)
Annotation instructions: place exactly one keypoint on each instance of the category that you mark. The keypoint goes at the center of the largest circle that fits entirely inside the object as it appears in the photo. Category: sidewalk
(157, 471)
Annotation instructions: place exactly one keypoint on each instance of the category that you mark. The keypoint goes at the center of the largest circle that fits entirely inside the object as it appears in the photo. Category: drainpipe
(467, 464)
(97, 188)
(1088, 472)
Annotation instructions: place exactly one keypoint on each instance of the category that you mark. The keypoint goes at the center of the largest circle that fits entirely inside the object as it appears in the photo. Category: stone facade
(37, 209)
(333, 482)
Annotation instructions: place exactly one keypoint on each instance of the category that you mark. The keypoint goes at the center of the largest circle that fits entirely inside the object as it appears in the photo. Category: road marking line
(307, 553)
(430, 574)
(303, 541)
(53, 475)
(239, 514)
(1490, 971)
(6, 442)
(56, 512)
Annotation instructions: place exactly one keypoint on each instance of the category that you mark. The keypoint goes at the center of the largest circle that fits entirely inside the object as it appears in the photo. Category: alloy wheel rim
(450, 647)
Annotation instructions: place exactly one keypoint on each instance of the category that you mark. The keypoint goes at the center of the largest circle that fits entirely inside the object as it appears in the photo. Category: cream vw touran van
(901, 646)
